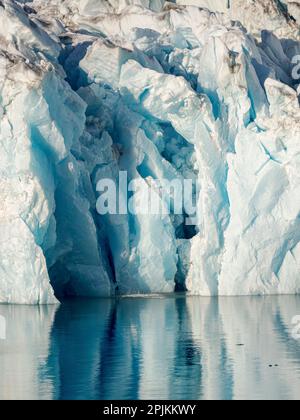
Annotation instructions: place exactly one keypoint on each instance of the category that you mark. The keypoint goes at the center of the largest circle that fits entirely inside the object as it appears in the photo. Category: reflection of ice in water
(24, 352)
(159, 348)
(79, 332)
(240, 339)
(2, 328)
(203, 348)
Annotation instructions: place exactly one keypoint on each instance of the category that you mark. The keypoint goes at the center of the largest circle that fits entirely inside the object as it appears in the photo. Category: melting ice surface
(160, 348)
(161, 90)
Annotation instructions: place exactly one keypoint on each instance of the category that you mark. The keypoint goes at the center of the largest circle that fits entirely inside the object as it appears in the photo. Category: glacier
(206, 90)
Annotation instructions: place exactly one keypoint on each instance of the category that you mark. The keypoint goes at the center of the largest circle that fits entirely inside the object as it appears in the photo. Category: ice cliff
(201, 89)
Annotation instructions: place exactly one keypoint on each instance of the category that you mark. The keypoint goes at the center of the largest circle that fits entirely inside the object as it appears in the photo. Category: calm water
(146, 348)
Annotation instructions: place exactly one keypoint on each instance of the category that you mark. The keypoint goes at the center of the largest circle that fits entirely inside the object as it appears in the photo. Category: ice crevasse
(202, 90)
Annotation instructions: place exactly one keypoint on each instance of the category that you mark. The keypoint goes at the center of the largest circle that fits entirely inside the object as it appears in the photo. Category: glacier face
(192, 89)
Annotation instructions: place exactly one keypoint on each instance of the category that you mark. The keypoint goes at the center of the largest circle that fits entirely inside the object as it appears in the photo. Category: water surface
(160, 347)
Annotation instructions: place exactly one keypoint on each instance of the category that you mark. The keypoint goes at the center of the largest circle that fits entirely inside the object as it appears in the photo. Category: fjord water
(159, 347)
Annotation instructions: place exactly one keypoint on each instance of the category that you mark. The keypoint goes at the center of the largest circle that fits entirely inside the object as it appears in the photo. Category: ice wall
(162, 91)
